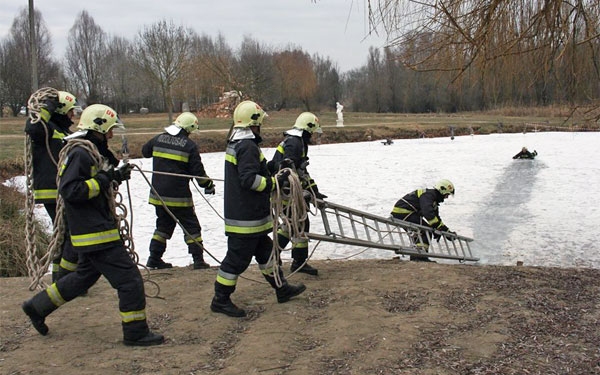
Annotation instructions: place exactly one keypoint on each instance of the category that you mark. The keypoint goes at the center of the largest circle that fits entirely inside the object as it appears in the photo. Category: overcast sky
(337, 29)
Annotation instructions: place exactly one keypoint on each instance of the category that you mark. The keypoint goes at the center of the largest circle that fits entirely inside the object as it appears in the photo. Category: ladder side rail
(403, 229)
(396, 249)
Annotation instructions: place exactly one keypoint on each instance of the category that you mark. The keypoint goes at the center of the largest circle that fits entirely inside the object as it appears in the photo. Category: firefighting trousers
(116, 266)
(165, 226)
(240, 251)
(423, 239)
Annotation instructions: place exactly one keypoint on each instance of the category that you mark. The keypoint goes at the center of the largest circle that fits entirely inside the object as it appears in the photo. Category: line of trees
(452, 56)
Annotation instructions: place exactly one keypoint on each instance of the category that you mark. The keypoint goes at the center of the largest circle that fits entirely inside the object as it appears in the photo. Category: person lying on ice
(525, 154)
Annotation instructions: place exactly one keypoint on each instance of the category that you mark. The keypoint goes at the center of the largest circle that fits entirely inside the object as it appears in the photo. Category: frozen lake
(536, 211)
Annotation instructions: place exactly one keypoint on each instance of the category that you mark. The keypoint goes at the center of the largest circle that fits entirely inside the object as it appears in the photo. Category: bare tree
(329, 82)
(163, 49)
(481, 41)
(254, 72)
(86, 57)
(17, 55)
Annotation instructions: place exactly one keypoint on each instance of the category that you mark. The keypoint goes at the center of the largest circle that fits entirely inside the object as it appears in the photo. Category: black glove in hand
(210, 190)
(443, 228)
(104, 178)
(50, 104)
(452, 237)
(320, 195)
(282, 177)
(123, 172)
(287, 163)
(307, 196)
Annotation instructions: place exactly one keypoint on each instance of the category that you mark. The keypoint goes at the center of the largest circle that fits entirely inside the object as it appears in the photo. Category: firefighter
(422, 207)
(174, 152)
(294, 148)
(86, 185)
(56, 117)
(248, 221)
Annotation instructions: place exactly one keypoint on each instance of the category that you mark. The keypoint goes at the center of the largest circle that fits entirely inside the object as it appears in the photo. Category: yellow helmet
(309, 122)
(187, 121)
(100, 118)
(445, 187)
(66, 102)
(248, 113)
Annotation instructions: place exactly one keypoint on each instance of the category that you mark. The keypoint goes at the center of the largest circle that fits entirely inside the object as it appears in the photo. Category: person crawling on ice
(525, 154)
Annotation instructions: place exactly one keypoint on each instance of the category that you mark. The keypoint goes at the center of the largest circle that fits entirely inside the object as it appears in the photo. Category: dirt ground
(357, 317)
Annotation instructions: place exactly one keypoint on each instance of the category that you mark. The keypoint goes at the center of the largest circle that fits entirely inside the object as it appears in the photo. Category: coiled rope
(116, 207)
(289, 212)
(34, 104)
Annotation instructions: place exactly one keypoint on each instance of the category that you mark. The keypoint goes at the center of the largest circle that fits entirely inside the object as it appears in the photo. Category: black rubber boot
(37, 321)
(37, 309)
(157, 263)
(199, 263)
(150, 339)
(221, 302)
(287, 291)
(227, 307)
(414, 258)
(307, 268)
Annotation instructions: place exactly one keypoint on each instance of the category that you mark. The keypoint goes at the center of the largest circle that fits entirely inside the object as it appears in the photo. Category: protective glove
(443, 228)
(287, 163)
(320, 195)
(453, 237)
(307, 196)
(104, 178)
(123, 173)
(282, 177)
(210, 190)
(48, 108)
(119, 175)
(50, 104)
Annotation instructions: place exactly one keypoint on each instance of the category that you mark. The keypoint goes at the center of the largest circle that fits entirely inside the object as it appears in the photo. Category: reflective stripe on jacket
(248, 185)
(174, 154)
(44, 169)
(91, 222)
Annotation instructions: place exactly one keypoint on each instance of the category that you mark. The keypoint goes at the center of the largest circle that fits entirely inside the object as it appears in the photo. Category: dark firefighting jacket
(174, 154)
(44, 168)
(295, 148)
(422, 202)
(92, 225)
(247, 188)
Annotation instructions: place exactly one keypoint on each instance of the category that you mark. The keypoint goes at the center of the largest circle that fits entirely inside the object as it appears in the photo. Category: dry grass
(13, 257)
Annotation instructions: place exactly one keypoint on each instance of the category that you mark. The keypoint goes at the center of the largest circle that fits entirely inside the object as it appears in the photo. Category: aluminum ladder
(348, 226)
